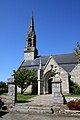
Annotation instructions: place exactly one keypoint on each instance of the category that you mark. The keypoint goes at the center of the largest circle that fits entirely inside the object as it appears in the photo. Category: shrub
(34, 88)
(1, 103)
(1, 91)
(78, 104)
(71, 105)
(74, 88)
(74, 104)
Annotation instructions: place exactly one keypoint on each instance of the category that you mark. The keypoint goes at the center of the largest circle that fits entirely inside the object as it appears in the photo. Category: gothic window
(29, 42)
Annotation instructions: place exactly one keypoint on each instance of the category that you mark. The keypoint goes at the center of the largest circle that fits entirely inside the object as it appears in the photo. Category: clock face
(29, 54)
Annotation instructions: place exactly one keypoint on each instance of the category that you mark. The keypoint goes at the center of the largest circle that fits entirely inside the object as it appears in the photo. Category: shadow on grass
(23, 101)
(27, 94)
(2, 113)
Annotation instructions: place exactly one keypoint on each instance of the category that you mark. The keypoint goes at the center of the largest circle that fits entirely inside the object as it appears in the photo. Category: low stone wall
(7, 100)
(71, 98)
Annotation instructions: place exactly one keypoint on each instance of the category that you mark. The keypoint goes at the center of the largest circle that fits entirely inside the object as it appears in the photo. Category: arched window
(29, 42)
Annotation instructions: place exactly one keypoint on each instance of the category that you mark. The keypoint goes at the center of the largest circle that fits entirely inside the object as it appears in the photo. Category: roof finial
(32, 23)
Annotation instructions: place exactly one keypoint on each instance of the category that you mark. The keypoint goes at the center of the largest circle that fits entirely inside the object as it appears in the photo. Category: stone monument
(12, 90)
(58, 98)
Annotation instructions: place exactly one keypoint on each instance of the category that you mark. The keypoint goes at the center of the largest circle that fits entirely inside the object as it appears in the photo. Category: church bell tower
(30, 51)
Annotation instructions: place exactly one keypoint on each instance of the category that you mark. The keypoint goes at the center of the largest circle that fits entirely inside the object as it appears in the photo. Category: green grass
(69, 95)
(4, 94)
(23, 97)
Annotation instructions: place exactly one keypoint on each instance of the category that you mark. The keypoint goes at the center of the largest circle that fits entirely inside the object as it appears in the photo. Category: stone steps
(38, 104)
(30, 109)
(44, 100)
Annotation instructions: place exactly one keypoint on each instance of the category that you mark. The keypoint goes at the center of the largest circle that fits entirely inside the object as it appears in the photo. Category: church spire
(30, 51)
(32, 24)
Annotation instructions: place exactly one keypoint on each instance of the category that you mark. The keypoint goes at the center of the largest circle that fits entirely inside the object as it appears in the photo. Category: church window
(29, 42)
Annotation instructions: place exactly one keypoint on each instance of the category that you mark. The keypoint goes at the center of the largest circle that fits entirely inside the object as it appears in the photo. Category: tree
(3, 84)
(74, 88)
(77, 51)
(23, 76)
(3, 87)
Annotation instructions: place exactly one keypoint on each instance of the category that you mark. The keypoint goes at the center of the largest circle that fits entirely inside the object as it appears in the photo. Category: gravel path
(17, 116)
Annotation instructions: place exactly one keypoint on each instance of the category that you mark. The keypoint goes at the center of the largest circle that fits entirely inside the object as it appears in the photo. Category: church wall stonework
(75, 74)
(29, 56)
(64, 79)
(63, 75)
(50, 62)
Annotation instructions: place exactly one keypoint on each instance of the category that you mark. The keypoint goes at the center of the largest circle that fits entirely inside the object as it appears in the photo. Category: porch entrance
(50, 86)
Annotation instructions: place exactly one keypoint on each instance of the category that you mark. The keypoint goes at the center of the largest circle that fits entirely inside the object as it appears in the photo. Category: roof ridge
(56, 54)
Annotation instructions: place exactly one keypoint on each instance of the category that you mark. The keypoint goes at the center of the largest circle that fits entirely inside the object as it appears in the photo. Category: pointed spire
(32, 24)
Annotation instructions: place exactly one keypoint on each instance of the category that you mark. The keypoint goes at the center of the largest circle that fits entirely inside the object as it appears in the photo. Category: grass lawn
(4, 94)
(23, 97)
(69, 95)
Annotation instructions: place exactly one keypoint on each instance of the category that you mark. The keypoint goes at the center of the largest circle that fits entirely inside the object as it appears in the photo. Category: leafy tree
(31, 76)
(23, 76)
(3, 87)
(77, 51)
(3, 84)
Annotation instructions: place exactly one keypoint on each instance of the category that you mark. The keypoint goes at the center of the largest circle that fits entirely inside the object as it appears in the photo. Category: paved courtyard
(39, 101)
(19, 116)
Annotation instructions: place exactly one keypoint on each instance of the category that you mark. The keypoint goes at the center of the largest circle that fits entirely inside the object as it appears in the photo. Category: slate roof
(66, 61)
(68, 67)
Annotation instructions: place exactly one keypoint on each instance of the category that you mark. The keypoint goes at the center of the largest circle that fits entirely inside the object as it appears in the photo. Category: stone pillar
(39, 81)
(56, 91)
(12, 90)
(44, 86)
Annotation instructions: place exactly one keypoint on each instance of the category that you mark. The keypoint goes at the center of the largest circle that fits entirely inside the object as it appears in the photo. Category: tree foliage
(74, 88)
(23, 78)
(77, 51)
(3, 87)
(3, 84)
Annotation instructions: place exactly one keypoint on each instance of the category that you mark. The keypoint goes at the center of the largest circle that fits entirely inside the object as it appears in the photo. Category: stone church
(63, 67)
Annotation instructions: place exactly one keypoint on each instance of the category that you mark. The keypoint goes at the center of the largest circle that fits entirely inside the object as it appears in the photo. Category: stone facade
(48, 75)
(75, 74)
(65, 81)
(66, 65)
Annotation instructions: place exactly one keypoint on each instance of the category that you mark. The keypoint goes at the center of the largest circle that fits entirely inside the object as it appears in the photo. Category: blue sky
(57, 27)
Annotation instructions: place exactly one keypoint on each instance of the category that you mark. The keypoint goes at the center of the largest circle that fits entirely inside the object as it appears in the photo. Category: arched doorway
(48, 82)
(50, 86)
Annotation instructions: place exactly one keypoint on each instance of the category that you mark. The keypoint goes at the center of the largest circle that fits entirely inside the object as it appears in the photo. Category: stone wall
(50, 62)
(75, 74)
(63, 74)
(64, 79)
(71, 98)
